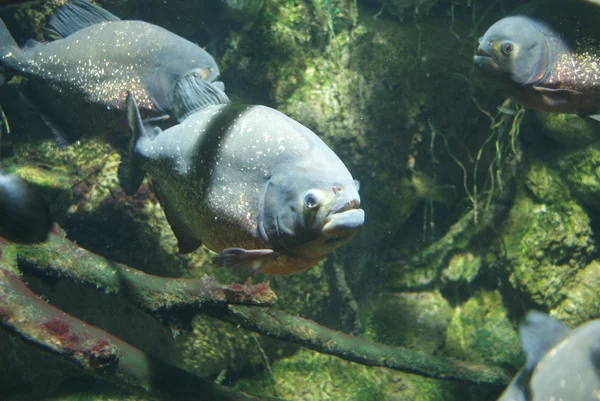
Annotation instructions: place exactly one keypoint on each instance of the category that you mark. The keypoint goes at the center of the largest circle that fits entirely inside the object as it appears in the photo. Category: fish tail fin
(74, 16)
(11, 55)
(130, 175)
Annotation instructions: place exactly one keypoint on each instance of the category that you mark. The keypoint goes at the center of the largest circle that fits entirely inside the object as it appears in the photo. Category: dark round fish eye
(310, 200)
(508, 48)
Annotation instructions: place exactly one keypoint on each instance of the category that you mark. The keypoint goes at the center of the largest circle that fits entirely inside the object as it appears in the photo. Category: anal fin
(61, 138)
(186, 241)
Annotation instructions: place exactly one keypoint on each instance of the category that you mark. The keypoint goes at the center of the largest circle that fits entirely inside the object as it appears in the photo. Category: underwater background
(477, 210)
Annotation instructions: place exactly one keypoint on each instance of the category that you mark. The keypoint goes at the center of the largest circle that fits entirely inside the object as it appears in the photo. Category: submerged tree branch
(319, 338)
(168, 296)
(155, 294)
(99, 353)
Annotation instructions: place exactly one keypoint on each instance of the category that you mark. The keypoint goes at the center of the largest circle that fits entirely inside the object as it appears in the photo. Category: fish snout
(346, 218)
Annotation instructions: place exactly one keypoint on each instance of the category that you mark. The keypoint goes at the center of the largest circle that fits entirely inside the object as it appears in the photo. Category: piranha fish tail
(130, 175)
(11, 55)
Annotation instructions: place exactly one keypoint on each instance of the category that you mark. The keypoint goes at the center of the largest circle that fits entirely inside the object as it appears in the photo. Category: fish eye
(310, 200)
(508, 48)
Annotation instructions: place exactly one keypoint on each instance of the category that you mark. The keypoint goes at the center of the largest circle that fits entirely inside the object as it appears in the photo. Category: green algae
(547, 244)
(580, 169)
(568, 129)
(311, 376)
(416, 321)
(481, 331)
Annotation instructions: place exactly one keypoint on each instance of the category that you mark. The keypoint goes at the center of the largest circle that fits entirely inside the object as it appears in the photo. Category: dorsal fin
(74, 16)
(539, 334)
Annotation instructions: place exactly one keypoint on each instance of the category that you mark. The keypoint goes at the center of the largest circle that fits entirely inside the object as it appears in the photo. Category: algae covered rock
(310, 376)
(415, 320)
(580, 169)
(547, 244)
(582, 299)
(462, 269)
(481, 331)
(568, 129)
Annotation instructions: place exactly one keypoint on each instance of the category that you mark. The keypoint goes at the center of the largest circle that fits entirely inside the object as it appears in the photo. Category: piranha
(547, 56)
(562, 364)
(248, 182)
(79, 81)
(24, 214)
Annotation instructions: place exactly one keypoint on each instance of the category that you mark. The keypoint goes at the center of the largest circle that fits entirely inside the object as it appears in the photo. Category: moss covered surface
(480, 330)
(311, 376)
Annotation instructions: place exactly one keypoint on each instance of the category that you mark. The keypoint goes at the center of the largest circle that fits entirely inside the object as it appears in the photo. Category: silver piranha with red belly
(79, 82)
(547, 56)
(248, 182)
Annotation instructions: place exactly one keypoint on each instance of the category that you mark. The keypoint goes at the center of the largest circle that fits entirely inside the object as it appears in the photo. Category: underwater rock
(582, 299)
(414, 320)
(481, 331)
(546, 244)
(568, 129)
(545, 183)
(309, 376)
(462, 268)
(212, 347)
(580, 169)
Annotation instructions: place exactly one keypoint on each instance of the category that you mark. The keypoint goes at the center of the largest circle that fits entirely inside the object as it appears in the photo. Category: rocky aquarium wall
(477, 210)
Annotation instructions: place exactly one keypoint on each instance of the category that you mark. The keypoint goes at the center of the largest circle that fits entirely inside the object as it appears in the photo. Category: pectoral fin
(252, 259)
(557, 97)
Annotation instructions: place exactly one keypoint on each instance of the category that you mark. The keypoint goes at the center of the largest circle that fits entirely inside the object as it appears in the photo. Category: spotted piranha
(248, 182)
(562, 364)
(79, 81)
(547, 56)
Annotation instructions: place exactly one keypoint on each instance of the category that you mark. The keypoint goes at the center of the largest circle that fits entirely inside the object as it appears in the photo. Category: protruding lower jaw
(344, 222)
(485, 61)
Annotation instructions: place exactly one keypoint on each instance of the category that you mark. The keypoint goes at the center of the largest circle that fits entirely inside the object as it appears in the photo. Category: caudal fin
(130, 175)
(12, 58)
(74, 16)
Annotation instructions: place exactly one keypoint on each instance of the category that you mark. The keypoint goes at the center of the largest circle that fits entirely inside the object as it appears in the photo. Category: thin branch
(99, 353)
(319, 338)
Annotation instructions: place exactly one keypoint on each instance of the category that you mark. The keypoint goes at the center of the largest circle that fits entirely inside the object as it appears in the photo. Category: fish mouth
(485, 60)
(346, 218)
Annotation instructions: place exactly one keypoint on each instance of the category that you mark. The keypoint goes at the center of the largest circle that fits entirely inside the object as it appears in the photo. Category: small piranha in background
(248, 182)
(547, 56)
(562, 364)
(79, 81)
(24, 214)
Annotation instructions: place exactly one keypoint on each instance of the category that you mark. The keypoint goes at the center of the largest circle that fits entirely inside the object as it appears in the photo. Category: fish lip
(344, 222)
(485, 60)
